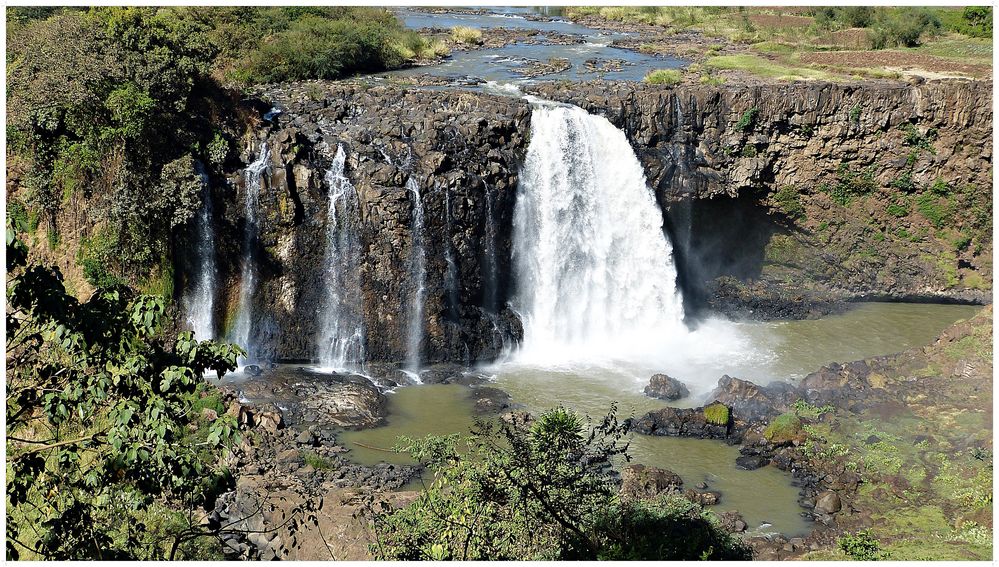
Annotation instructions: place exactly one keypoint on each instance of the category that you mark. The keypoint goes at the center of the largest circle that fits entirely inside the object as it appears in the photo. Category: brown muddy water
(761, 352)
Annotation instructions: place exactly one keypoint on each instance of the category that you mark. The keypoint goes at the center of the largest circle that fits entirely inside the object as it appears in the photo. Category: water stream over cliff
(253, 175)
(341, 334)
(595, 275)
(418, 274)
(199, 302)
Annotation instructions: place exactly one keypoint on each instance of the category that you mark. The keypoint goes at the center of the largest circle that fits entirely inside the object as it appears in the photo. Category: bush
(465, 34)
(668, 77)
(747, 120)
(902, 27)
(717, 414)
(517, 490)
(784, 429)
(788, 201)
(862, 546)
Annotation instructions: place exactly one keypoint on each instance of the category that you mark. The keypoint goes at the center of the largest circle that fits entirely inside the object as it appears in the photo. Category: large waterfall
(418, 274)
(200, 300)
(341, 333)
(253, 176)
(596, 280)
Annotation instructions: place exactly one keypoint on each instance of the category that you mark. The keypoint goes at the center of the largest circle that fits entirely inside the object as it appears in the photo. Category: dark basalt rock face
(461, 149)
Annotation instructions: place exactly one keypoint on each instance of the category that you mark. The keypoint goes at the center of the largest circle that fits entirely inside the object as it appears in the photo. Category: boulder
(642, 482)
(666, 387)
(828, 502)
(751, 402)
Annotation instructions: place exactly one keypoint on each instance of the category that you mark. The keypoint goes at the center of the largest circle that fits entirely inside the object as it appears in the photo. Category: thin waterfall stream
(242, 329)
(200, 300)
(418, 274)
(341, 332)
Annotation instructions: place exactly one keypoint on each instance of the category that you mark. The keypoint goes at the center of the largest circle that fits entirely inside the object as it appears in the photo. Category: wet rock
(679, 422)
(642, 482)
(706, 498)
(490, 400)
(733, 522)
(828, 502)
(253, 370)
(751, 462)
(751, 402)
(665, 387)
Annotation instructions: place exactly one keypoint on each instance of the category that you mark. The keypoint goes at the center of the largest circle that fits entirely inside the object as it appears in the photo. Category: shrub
(855, 114)
(668, 77)
(747, 120)
(465, 34)
(902, 27)
(318, 462)
(930, 207)
(784, 429)
(862, 546)
(517, 490)
(789, 202)
(717, 414)
(898, 209)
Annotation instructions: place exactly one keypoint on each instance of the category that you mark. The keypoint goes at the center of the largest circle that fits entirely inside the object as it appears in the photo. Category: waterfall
(489, 261)
(418, 273)
(253, 176)
(341, 335)
(200, 300)
(451, 275)
(596, 281)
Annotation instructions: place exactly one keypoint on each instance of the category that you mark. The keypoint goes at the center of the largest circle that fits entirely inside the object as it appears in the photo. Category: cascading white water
(596, 280)
(200, 299)
(253, 176)
(418, 274)
(341, 333)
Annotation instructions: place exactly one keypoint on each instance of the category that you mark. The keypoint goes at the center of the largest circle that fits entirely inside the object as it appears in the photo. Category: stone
(828, 502)
(270, 420)
(666, 387)
(642, 482)
(751, 462)
(253, 370)
(305, 438)
(209, 414)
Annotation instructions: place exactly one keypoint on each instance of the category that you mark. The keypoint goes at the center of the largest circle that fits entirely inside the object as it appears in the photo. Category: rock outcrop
(666, 388)
(462, 151)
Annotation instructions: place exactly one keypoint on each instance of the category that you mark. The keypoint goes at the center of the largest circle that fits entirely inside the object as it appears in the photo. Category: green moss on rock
(784, 429)
(717, 414)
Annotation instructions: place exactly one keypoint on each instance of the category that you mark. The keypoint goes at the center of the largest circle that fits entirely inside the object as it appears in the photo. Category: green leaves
(101, 407)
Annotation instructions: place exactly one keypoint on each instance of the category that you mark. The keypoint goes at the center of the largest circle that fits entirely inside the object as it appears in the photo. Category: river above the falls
(509, 64)
(785, 350)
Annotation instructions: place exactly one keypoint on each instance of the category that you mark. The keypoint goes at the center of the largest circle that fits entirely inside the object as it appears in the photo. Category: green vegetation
(765, 67)
(318, 462)
(933, 208)
(747, 120)
(808, 411)
(784, 429)
(465, 34)
(106, 456)
(668, 77)
(116, 105)
(788, 201)
(522, 490)
(862, 546)
(899, 209)
(717, 413)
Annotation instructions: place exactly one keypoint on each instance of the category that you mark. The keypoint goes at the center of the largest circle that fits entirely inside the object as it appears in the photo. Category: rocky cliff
(462, 150)
(859, 190)
(781, 199)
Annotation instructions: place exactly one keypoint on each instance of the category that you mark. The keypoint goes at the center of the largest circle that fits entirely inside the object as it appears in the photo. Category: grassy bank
(827, 42)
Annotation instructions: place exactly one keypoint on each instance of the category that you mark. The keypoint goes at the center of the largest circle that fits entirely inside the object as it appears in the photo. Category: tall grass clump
(668, 77)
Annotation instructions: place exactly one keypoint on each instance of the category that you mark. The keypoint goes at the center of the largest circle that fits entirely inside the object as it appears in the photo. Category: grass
(465, 34)
(767, 68)
(317, 462)
(667, 77)
(717, 414)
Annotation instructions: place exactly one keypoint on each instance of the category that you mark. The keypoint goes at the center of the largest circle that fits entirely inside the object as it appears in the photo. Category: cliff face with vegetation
(781, 199)
(459, 150)
(817, 190)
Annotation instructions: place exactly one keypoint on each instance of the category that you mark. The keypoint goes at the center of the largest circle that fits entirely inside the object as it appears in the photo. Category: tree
(106, 446)
(540, 490)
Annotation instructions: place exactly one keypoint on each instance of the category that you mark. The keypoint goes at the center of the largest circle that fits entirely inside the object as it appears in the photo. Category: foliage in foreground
(101, 461)
(541, 490)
